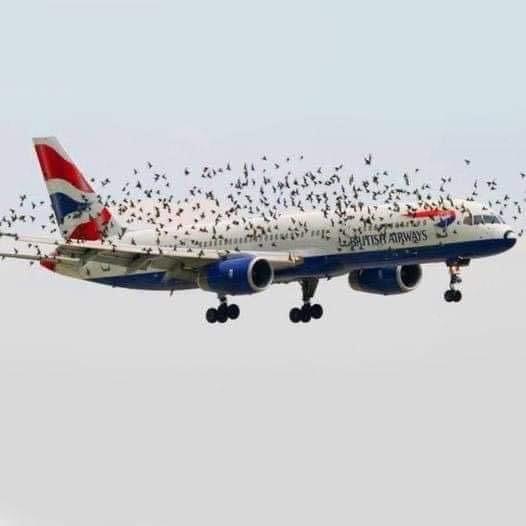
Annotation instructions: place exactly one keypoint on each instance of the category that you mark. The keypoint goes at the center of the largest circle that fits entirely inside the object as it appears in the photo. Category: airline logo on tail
(442, 218)
(78, 210)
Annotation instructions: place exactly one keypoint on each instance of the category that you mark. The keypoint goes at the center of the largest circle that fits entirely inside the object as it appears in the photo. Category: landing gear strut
(223, 313)
(307, 312)
(453, 294)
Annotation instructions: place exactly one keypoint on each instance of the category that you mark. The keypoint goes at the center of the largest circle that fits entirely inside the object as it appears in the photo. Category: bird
(254, 191)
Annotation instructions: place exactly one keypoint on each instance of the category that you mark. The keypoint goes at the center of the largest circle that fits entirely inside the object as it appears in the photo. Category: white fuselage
(331, 244)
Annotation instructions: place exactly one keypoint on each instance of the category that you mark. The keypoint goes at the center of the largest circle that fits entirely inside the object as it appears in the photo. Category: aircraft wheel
(449, 295)
(211, 315)
(295, 315)
(222, 313)
(457, 296)
(233, 311)
(306, 313)
(316, 311)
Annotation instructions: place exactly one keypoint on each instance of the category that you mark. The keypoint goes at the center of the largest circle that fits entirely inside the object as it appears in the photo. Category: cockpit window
(489, 219)
(486, 219)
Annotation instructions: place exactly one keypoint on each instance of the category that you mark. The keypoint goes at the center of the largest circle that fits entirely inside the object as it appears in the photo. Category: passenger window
(478, 220)
(468, 220)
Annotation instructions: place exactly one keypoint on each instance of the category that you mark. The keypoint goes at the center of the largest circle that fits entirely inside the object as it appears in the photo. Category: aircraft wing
(132, 257)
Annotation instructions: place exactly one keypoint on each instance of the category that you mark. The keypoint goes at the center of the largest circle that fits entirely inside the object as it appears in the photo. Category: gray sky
(122, 407)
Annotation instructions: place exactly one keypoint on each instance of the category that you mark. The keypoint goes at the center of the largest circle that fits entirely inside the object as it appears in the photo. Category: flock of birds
(266, 189)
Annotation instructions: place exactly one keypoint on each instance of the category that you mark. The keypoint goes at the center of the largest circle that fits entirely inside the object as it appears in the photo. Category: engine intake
(237, 274)
(386, 281)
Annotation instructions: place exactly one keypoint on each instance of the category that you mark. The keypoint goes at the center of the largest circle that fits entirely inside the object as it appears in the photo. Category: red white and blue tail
(79, 211)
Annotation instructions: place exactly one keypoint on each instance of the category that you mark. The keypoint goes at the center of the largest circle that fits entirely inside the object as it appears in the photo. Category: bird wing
(133, 257)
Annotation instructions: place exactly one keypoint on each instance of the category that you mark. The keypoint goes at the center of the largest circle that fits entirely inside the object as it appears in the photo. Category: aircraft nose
(510, 238)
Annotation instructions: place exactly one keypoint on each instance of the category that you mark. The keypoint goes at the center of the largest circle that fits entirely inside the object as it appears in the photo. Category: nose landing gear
(453, 294)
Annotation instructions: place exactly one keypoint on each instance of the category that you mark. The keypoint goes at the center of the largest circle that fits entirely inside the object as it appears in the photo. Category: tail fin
(80, 213)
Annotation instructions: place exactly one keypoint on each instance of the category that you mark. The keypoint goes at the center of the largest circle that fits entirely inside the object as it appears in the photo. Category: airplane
(381, 250)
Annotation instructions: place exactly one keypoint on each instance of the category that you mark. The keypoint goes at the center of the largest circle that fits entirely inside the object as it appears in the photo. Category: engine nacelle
(386, 281)
(236, 274)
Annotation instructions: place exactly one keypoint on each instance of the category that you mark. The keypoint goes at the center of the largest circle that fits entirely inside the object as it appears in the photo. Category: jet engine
(236, 274)
(386, 281)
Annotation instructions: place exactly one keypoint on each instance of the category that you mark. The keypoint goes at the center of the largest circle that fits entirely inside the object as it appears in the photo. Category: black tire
(233, 311)
(316, 311)
(457, 296)
(211, 315)
(448, 295)
(222, 315)
(306, 313)
(295, 315)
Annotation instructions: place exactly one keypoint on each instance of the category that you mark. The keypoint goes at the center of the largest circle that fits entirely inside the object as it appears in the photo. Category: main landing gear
(453, 294)
(307, 312)
(223, 313)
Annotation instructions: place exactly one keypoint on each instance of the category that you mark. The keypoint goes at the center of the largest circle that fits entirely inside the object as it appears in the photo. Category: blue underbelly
(146, 281)
(335, 264)
(330, 265)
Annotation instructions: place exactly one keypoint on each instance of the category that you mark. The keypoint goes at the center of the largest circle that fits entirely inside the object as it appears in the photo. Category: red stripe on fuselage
(54, 166)
(430, 214)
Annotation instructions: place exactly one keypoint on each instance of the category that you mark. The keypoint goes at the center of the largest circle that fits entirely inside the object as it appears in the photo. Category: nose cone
(510, 239)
